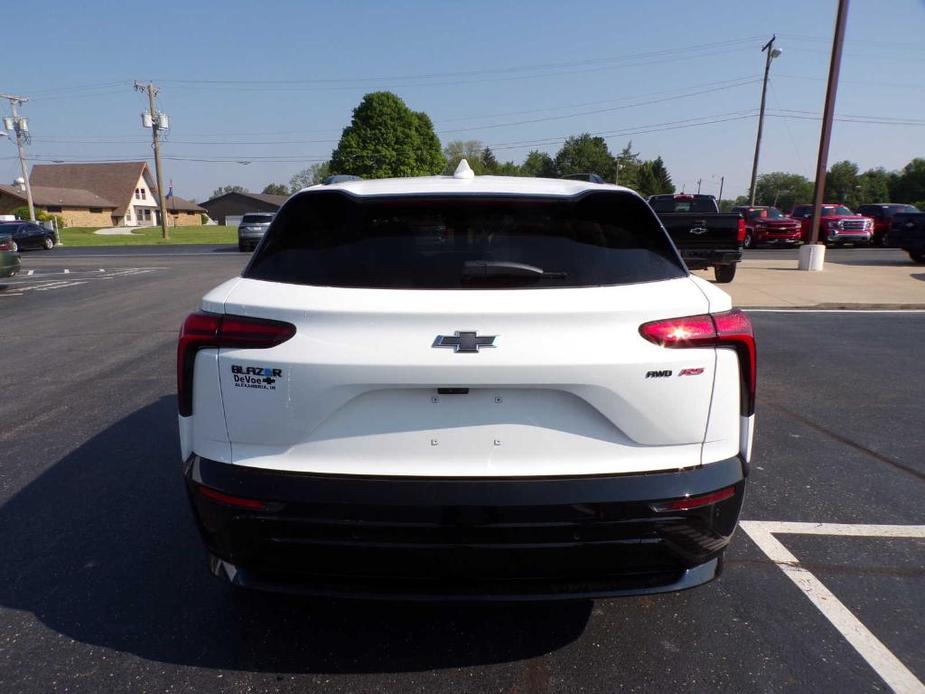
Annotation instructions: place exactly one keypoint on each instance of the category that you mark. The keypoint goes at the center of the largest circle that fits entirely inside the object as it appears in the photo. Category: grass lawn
(147, 236)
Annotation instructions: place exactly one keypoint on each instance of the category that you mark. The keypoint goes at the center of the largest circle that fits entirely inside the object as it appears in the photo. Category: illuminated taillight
(201, 330)
(688, 503)
(731, 329)
(741, 232)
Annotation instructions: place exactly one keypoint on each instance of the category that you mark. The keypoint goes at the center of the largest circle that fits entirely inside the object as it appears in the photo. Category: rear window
(465, 242)
(256, 219)
(683, 204)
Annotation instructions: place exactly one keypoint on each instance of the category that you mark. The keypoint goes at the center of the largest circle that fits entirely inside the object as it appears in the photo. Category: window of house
(53, 208)
(142, 193)
(138, 193)
(96, 209)
(147, 214)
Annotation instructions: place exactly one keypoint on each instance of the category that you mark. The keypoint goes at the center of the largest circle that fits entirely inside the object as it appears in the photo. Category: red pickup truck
(837, 225)
(768, 226)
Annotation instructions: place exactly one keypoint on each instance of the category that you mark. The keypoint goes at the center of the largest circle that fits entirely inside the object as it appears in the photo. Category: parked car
(768, 226)
(882, 214)
(704, 237)
(467, 387)
(908, 233)
(28, 235)
(252, 228)
(838, 226)
(9, 258)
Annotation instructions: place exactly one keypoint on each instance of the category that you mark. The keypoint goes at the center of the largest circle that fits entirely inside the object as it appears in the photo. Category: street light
(772, 53)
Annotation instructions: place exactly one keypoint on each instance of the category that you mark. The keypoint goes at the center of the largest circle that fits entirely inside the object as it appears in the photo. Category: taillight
(201, 330)
(689, 503)
(741, 233)
(6, 245)
(731, 329)
(229, 500)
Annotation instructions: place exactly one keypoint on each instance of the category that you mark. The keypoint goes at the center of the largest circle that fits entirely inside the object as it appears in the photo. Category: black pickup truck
(908, 233)
(704, 237)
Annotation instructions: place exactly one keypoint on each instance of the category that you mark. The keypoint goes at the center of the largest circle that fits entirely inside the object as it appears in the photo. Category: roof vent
(463, 170)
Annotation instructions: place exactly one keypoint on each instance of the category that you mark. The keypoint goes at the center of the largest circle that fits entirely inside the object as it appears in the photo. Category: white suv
(466, 387)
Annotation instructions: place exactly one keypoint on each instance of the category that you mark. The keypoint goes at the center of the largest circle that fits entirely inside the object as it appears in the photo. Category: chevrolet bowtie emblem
(465, 341)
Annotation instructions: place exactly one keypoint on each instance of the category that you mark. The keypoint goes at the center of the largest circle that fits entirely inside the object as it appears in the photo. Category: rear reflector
(201, 330)
(229, 500)
(731, 329)
(691, 502)
(741, 231)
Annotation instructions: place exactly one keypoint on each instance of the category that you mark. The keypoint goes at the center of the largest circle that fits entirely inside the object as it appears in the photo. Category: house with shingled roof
(102, 195)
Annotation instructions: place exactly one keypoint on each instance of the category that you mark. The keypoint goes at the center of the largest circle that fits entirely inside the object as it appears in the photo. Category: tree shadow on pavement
(102, 549)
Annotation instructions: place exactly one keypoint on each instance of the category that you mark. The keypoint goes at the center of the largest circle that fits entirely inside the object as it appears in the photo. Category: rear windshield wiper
(485, 269)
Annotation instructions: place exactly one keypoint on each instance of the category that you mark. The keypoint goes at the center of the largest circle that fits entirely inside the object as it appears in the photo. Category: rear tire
(748, 242)
(724, 273)
(242, 247)
(917, 257)
(15, 247)
(48, 243)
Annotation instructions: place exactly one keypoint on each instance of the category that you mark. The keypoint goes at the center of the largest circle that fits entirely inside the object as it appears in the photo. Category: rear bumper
(464, 539)
(698, 259)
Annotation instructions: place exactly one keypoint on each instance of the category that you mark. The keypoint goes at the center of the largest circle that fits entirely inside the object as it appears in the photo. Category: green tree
(508, 168)
(842, 185)
(909, 184)
(470, 150)
(275, 189)
(311, 176)
(875, 186)
(489, 161)
(659, 176)
(782, 189)
(628, 166)
(223, 190)
(585, 154)
(386, 139)
(539, 164)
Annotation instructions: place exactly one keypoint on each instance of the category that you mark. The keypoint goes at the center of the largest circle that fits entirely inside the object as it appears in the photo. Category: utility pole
(771, 54)
(828, 114)
(722, 180)
(699, 181)
(158, 122)
(20, 127)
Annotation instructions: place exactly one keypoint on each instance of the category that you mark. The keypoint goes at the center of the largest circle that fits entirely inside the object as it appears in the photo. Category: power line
(470, 73)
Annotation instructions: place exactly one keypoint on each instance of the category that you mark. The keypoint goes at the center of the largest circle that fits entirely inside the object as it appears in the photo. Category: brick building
(102, 195)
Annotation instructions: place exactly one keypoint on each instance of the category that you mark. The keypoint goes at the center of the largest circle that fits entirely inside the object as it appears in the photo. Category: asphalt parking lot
(103, 584)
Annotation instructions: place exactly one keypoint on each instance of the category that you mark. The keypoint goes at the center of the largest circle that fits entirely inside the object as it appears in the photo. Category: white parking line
(46, 281)
(879, 657)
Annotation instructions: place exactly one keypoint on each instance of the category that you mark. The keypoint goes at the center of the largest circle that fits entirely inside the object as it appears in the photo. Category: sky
(274, 83)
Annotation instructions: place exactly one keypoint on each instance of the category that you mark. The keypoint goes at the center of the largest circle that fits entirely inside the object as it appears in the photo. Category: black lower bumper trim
(469, 539)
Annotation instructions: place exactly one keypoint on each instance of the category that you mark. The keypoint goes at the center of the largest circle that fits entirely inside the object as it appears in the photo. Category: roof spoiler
(339, 178)
(589, 177)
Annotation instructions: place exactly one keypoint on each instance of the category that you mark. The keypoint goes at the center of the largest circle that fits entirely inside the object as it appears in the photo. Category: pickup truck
(768, 226)
(837, 225)
(704, 237)
(908, 233)
(882, 213)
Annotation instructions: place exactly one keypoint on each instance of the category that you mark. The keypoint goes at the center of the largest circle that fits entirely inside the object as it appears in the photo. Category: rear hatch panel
(569, 387)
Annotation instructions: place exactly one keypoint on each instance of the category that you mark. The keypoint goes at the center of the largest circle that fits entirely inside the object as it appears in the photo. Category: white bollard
(812, 256)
